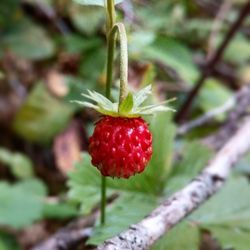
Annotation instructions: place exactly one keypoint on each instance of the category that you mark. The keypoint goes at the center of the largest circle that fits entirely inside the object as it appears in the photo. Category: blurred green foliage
(168, 44)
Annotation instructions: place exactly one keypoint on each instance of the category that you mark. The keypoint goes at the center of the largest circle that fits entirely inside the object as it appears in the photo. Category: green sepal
(127, 104)
(130, 107)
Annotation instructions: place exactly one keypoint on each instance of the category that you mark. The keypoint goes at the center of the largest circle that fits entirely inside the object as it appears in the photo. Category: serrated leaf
(95, 2)
(127, 104)
(120, 216)
(163, 131)
(85, 184)
(183, 236)
(220, 210)
(193, 159)
(195, 156)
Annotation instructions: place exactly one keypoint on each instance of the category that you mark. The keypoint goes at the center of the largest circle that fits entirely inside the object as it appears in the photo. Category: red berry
(120, 147)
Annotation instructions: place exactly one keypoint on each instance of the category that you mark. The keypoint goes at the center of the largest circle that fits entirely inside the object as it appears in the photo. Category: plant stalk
(110, 8)
(120, 29)
(112, 29)
(111, 16)
(103, 200)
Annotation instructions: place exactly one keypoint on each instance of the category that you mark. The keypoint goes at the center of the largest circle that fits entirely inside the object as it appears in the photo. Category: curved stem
(120, 29)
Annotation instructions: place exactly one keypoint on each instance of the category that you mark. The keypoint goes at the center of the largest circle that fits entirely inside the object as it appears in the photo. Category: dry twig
(186, 127)
(70, 235)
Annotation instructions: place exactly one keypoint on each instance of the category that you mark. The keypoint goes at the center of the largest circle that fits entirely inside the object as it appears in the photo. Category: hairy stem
(120, 29)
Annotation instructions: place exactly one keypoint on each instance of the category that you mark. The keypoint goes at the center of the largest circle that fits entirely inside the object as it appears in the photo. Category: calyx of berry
(130, 107)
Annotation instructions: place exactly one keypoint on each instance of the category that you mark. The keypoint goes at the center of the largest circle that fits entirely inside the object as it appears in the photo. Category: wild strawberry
(120, 147)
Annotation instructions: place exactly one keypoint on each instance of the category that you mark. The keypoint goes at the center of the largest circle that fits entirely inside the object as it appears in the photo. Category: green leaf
(97, 57)
(238, 51)
(227, 207)
(120, 216)
(231, 238)
(183, 236)
(76, 86)
(127, 104)
(36, 121)
(19, 206)
(160, 166)
(243, 165)
(213, 95)
(194, 158)
(95, 2)
(84, 183)
(75, 44)
(59, 211)
(83, 16)
(8, 242)
(175, 55)
(138, 40)
(20, 165)
(28, 41)
(34, 186)
(8, 12)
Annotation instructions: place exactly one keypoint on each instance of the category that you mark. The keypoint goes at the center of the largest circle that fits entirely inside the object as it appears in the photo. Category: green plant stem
(120, 29)
(109, 74)
(103, 200)
(112, 30)
(111, 51)
(111, 16)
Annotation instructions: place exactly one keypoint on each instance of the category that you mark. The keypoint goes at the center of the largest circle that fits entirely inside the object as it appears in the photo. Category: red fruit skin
(120, 147)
